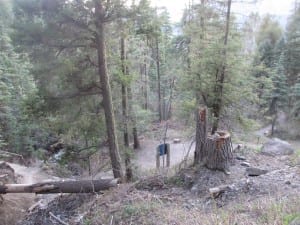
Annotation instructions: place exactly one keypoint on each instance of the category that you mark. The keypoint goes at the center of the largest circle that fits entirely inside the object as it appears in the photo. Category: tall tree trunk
(125, 112)
(146, 79)
(169, 111)
(136, 142)
(106, 92)
(124, 94)
(217, 105)
(201, 122)
(158, 80)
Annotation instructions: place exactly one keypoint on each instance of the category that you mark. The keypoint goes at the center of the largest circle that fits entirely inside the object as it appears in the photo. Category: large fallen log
(82, 186)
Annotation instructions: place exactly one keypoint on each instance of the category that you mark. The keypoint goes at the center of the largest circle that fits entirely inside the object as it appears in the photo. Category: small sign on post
(163, 152)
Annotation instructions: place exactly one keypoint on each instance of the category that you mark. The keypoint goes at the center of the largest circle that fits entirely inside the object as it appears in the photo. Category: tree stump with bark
(212, 150)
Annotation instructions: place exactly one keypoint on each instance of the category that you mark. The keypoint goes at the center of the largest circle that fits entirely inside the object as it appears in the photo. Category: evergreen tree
(68, 45)
(16, 85)
(292, 57)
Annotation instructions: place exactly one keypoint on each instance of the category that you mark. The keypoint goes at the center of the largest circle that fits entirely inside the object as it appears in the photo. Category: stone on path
(239, 157)
(276, 147)
(253, 171)
(176, 140)
(245, 164)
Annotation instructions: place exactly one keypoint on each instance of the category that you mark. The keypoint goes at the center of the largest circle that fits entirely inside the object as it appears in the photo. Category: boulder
(276, 147)
(253, 171)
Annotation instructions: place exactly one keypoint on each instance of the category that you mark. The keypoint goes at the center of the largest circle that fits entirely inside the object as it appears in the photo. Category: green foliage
(205, 47)
(16, 85)
(293, 47)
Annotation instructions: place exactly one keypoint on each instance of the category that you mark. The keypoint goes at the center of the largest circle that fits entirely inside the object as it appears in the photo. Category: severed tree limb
(57, 219)
(216, 191)
(82, 186)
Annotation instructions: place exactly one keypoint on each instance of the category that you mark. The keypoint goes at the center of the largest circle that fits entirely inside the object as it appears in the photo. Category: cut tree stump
(218, 150)
(82, 186)
(212, 150)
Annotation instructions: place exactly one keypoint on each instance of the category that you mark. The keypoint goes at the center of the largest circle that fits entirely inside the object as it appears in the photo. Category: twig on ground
(111, 220)
(57, 219)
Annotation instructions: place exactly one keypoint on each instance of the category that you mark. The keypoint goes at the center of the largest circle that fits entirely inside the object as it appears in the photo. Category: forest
(198, 119)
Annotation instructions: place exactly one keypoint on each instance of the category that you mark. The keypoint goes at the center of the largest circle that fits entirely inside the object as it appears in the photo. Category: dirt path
(15, 206)
(145, 159)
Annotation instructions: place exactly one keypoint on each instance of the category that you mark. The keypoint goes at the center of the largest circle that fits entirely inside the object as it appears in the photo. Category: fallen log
(82, 186)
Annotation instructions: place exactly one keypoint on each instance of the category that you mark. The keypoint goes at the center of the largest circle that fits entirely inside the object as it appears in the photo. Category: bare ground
(15, 206)
(272, 198)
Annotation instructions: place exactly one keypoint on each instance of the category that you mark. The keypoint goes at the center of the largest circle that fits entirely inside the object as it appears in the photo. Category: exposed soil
(15, 206)
(181, 199)
(160, 200)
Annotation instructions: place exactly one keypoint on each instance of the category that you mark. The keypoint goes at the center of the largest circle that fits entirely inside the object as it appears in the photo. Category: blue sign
(162, 149)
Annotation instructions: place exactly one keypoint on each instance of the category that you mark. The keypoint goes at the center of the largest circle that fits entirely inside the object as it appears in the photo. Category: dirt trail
(145, 159)
(15, 206)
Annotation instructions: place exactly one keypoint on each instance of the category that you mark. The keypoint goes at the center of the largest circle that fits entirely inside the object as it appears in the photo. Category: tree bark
(83, 186)
(128, 169)
(218, 151)
(106, 92)
(124, 94)
(213, 151)
(146, 79)
(158, 80)
(201, 136)
(136, 142)
(218, 102)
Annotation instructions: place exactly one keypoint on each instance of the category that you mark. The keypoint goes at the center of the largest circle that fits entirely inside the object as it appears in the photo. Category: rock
(242, 158)
(195, 189)
(245, 164)
(188, 179)
(295, 221)
(187, 206)
(253, 171)
(276, 147)
(176, 140)
(288, 182)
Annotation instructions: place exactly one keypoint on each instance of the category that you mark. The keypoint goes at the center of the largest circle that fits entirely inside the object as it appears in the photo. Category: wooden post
(157, 158)
(163, 156)
(168, 154)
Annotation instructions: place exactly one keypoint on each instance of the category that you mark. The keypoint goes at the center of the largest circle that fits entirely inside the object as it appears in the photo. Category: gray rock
(242, 158)
(295, 221)
(245, 164)
(288, 182)
(176, 140)
(188, 179)
(276, 147)
(195, 190)
(253, 171)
